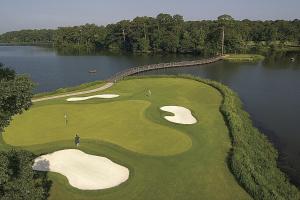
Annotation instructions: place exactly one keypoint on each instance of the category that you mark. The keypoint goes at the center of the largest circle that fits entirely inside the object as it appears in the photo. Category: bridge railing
(138, 69)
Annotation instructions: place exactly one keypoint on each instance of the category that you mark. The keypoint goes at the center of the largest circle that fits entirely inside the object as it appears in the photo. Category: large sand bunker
(101, 96)
(83, 171)
(182, 115)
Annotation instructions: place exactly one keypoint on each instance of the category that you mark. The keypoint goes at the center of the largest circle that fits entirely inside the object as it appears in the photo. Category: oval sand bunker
(182, 115)
(101, 96)
(83, 171)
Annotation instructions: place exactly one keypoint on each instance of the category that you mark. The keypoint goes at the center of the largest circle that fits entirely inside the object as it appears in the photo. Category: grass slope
(179, 171)
(79, 88)
(244, 58)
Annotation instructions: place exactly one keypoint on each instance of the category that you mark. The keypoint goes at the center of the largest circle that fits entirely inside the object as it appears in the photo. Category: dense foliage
(15, 95)
(28, 36)
(17, 179)
(167, 33)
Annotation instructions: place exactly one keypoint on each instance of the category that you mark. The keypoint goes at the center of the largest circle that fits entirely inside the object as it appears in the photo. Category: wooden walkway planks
(134, 70)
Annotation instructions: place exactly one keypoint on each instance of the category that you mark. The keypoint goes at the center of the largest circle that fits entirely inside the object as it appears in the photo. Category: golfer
(77, 140)
(66, 118)
(148, 92)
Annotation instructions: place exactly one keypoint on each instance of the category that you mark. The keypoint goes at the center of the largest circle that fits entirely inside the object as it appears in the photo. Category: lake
(270, 90)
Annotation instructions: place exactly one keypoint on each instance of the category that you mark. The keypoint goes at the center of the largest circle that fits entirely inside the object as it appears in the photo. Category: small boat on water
(93, 71)
(292, 59)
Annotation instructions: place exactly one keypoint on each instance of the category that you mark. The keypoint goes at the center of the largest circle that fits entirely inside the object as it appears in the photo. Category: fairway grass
(166, 160)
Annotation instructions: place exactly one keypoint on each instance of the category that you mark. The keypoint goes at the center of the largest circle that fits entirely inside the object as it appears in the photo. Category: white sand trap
(101, 96)
(83, 171)
(182, 115)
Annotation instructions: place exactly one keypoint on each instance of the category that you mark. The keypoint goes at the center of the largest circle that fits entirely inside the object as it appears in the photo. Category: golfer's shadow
(42, 165)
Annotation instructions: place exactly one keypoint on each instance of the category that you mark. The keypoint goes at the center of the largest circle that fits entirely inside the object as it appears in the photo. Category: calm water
(269, 90)
(52, 71)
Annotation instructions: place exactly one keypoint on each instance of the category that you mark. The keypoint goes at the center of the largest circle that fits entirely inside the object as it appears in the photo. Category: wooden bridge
(135, 70)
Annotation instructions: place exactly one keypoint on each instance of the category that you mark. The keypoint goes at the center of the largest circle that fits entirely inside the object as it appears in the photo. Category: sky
(37, 14)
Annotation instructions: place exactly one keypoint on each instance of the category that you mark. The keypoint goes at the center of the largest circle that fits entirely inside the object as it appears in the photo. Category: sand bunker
(83, 171)
(101, 96)
(181, 115)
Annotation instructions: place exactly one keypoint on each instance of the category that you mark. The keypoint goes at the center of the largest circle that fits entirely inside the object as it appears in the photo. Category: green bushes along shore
(253, 159)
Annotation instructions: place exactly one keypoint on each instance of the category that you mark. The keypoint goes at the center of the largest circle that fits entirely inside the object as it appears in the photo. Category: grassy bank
(81, 87)
(244, 58)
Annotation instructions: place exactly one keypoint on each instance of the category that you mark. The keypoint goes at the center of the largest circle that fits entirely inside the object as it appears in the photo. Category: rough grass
(197, 171)
(244, 58)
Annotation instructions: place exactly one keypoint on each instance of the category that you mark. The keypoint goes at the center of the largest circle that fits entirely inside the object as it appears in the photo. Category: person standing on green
(77, 140)
(66, 119)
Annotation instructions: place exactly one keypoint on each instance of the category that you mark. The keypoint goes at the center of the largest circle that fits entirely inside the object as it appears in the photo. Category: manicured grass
(244, 58)
(105, 121)
(166, 160)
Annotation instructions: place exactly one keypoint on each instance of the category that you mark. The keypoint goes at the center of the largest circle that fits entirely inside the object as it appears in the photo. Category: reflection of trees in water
(282, 60)
(221, 71)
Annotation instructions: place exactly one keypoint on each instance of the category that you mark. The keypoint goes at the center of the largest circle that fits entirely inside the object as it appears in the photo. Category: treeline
(167, 33)
(28, 36)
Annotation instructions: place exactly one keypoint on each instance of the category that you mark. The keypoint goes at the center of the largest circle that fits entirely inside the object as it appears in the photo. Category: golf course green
(166, 160)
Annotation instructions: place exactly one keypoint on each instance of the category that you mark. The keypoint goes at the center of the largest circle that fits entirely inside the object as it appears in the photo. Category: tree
(100, 37)
(17, 179)
(225, 17)
(15, 95)
(224, 22)
(169, 42)
(142, 45)
(186, 43)
(198, 40)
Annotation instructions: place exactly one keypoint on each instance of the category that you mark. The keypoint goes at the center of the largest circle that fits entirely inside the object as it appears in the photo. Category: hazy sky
(23, 14)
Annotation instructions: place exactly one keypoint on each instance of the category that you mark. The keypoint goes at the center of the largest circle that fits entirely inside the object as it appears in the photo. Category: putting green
(106, 121)
(166, 160)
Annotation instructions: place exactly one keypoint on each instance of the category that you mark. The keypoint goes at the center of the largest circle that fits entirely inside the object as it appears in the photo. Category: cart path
(103, 87)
